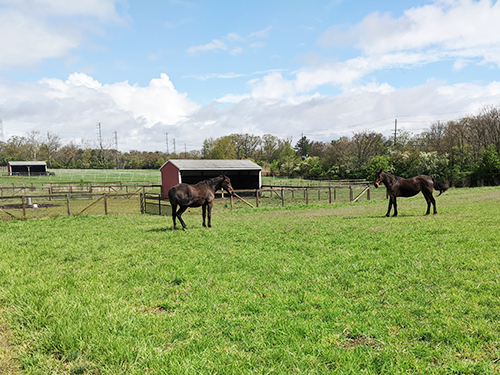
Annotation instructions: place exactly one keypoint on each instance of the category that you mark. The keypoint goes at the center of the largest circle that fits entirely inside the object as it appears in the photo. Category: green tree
(223, 149)
(382, 162)
(303, 147)
(288, 161)
(433, 164)
(488, 170)
(311, 167)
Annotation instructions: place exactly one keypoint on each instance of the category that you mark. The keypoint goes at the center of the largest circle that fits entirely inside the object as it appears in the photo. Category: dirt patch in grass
(9, 365)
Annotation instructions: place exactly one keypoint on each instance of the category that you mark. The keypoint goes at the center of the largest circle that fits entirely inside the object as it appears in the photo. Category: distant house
(244, 174)
(27, 168)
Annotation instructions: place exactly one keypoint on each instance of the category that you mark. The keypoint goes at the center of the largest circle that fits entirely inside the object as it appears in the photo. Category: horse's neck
(389, 180)
(215, 183)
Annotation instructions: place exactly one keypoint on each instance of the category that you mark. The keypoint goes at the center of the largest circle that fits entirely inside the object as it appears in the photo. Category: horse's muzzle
(376, 185)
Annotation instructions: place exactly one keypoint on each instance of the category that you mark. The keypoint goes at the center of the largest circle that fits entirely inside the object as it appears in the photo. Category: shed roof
(217, 165)
(17, 163)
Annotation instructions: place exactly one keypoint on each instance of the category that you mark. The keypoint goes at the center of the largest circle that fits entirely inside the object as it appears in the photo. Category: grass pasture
(89, 175)
(316, 289)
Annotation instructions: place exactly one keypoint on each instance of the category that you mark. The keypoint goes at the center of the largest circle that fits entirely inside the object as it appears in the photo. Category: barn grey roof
(216, 165)
(17, 163)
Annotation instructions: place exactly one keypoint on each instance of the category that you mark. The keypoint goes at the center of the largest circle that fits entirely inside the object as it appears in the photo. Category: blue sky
(199, 69)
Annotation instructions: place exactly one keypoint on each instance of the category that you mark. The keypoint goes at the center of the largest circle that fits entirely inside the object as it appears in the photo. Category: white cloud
(73, 107)
(454, 28)
(261, 33)
(43, 29)
(212, 46)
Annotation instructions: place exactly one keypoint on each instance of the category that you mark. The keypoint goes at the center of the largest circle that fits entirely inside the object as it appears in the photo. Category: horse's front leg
(209, 208)
(395, 204)
(204, 213)
(390, 206)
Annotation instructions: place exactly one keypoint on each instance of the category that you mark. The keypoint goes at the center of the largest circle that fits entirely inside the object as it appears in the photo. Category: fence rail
(111, 202)
(58, 188)
(74, 204)
(268, 196)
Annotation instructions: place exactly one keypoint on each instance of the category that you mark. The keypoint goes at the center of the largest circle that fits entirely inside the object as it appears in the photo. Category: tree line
(464, 152)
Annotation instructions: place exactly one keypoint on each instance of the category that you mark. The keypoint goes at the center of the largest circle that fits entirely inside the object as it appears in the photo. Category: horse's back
(188, 195)
(409, 187)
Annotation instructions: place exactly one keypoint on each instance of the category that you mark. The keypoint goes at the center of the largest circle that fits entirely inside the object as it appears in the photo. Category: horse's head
(379, 177)
(226, 184)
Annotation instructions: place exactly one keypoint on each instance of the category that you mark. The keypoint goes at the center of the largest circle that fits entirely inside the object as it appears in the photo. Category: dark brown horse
(408, 187)
(201, 194)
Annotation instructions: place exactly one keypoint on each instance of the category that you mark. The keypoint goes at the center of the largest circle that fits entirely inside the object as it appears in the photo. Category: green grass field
(89, 175)
(316, 289)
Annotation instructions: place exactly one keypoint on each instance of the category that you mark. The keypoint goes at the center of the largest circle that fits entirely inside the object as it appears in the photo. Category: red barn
(244, 174)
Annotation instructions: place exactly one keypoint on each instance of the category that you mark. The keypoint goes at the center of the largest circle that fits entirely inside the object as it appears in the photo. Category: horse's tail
(172, 195)
(441, 187)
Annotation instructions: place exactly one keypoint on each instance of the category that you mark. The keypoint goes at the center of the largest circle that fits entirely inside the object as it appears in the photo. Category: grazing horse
(201, 194)
(408, 187)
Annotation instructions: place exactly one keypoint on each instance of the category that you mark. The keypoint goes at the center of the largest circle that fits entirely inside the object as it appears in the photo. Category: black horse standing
(201, 194)
(408, 187)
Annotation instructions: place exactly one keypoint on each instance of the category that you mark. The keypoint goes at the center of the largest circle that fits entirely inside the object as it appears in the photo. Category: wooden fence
(157, 204)
(37, 206)
(72, 188)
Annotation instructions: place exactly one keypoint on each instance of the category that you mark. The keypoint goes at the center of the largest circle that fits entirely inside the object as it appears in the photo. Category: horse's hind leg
(174, 209)
(430, 200)
(395, 204)
(203, 214)
(182, 209)
(433, 201)
(209, 209)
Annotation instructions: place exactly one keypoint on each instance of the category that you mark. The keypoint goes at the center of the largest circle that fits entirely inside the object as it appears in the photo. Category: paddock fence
(274, 196)
(28, 202)
(21, 202)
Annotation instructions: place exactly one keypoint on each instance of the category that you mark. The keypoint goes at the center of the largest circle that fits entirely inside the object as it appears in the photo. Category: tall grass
(301, 289)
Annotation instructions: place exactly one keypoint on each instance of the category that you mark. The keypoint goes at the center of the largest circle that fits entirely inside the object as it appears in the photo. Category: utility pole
(395, 130)
(166, 141)
(99, 134)
(174, 144)
(116, 148)
(185, 151)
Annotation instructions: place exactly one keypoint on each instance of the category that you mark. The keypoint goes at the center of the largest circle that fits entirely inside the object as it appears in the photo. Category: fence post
(350, 194)
(368, 194)
(142, 202)
(334, 194)
(307, 196)
(231, 200)
(67, 204)
(319, 194)
(329, 194)
(282, 197)
(257, 193)
(24, 206)
(105, 204)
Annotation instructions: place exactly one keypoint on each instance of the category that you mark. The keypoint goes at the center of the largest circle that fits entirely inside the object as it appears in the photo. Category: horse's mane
(390, 176)
(213, 181)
